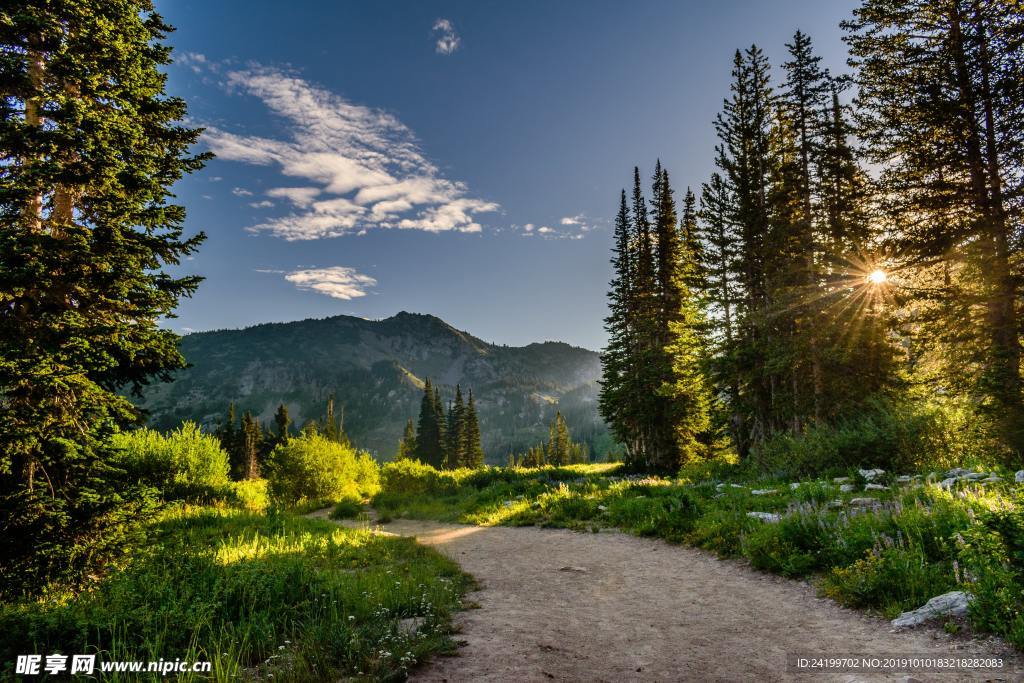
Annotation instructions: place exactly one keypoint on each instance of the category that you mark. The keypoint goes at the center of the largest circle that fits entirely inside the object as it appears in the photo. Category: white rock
(847, 488)
(948, 604)
(837, 503)
(871, 475)
(865, 502)
(602, 508)
(947, 483)
(875, 487)
(764, 492)
(1019, 477)
(904, 479)
(841, 480)
(957, 472)
(992, 479)
(794, 486)
(737, 486)
(719, 487)
(974, 476)
(769, 517)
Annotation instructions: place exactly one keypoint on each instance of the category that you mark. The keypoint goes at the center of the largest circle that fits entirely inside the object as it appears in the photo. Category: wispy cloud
(241, 192)
(448, 40)
(338, 282)
(364, 168)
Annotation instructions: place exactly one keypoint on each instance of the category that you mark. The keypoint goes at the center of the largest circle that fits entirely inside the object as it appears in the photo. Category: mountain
(375, 370)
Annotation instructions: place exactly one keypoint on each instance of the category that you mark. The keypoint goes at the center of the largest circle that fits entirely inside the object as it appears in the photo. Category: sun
(877, 277)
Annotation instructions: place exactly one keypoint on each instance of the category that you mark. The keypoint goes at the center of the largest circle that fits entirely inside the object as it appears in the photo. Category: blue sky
(456, 158)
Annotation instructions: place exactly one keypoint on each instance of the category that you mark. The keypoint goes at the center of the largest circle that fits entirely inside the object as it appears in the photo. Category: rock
(719, 487)
(835, 503)
(578, 570)
(875, 487)
(737, 486)
(957, 472)
(953, 603)
(1019, 477)
(948, 483)
(904, 479)
(764, 492)
(841, 480)
(847, 488)
(411, 626)
(871, 475)
(769, 517)
(974, 476)
(991, 479)
(865, 502)
(794, 486)
(602, 508)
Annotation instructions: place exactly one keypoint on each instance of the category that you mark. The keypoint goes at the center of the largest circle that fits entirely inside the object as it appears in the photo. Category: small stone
(769, 517)
(865, 502)
(871, 475)
(1019, 477)
(794, 486)
(764, 492)
(602, 508)
(954, 603)
(875, 487)
(847, 488)
(904, 479)
(578, 570)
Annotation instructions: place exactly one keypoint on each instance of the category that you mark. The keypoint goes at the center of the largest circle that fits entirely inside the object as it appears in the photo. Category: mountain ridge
(375, 370)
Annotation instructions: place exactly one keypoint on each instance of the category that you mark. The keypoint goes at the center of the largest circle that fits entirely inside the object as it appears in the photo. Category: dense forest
(856, 256)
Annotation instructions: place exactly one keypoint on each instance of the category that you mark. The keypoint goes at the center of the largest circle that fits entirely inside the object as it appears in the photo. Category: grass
(914, 540)
(261, 596)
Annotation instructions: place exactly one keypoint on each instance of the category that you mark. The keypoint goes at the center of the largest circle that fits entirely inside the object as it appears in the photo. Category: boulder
(875, 487)
(769, 517)
(871, 475)
(951, 604)
(1019, 477)
(991, 479)
(794, 486)
(974, 476)
(948, 483)
(764, 492)
(957, 472)
(847, 488)
(865, 502)
(841, 480)
(904, 479)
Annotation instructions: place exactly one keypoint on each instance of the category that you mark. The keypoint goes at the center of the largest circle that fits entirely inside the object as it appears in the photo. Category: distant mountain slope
(375, 370)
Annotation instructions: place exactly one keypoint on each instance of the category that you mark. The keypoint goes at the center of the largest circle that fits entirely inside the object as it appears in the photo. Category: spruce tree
(407, 444)
(91, 146)
(472, 450)
(282, 423)
(429, 439)
(939, 105)
(456, 431)
(250, 442)
(616, 358)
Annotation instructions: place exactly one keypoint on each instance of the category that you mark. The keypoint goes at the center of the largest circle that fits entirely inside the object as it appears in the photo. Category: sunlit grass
(302, 599)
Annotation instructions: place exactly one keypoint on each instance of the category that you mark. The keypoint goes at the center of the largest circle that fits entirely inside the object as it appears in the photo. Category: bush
(249, 494)
(314, 468)
(347, 508)
(183, 464)
(412, 477)
(899, 437)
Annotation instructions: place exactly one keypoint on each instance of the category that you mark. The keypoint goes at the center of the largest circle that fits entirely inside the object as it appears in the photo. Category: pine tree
(407, 444)
(616, 358)
(429, 437)
(473, 452)
(330, 424)
(91, 146)
(940, 103)
(282, 423)
(227, 430)
(250, 441)
(455, 454)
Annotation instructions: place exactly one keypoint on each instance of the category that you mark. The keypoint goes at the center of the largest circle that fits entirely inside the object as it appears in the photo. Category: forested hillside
(375, 370)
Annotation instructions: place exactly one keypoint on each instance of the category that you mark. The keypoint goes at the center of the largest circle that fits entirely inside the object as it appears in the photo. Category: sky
(458, 158)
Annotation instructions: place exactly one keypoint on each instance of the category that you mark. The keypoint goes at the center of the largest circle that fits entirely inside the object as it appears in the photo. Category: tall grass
(256, 595)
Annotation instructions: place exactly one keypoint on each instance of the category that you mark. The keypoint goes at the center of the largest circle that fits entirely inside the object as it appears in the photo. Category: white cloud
(365, 168)
(193, 60)
(241, 192)
(338, 282)
(545, 230)
(448, 40)
(262, 204)
(572, 220)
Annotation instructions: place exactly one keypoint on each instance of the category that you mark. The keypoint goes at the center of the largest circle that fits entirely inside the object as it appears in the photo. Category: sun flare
(877, 277)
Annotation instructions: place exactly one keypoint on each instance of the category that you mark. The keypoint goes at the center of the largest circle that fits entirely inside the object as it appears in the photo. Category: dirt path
(567, 606)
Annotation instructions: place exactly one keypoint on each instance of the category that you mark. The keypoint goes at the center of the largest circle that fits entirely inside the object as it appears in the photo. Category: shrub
(314, 468)
(347, 508)
(412, 477)
(183, 464)
(249, 494)
(900, 437)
